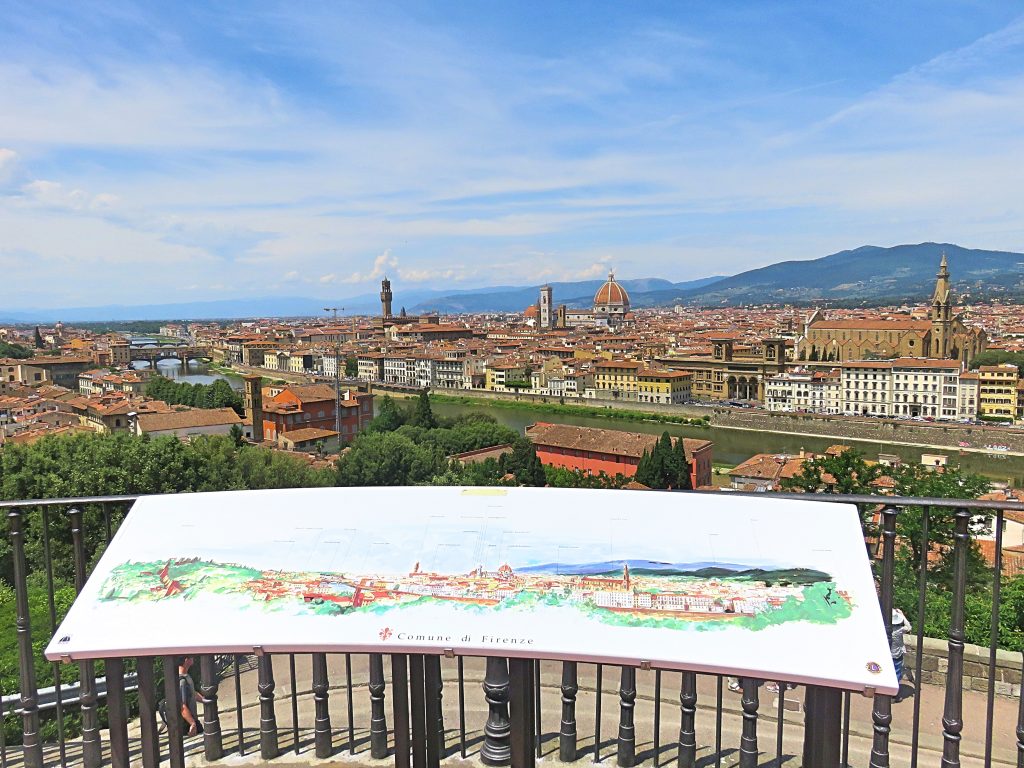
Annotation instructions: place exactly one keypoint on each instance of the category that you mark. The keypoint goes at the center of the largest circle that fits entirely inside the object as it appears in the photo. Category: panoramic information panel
(766, 588)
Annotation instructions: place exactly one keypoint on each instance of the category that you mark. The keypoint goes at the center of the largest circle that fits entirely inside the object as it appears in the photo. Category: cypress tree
(683, 480)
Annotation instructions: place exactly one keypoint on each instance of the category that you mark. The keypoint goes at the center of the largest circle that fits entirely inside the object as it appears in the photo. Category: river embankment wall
(968, 437)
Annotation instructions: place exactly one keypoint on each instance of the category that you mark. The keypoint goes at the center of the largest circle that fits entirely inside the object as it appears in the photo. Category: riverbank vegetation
(605, 412)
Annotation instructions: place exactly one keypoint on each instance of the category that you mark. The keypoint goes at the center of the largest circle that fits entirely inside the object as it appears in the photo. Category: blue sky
(190, 151)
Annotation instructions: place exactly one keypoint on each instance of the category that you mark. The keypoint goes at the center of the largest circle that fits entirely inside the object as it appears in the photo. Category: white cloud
(380, 266)
(327, 279)
(8, 165)
(53, 194)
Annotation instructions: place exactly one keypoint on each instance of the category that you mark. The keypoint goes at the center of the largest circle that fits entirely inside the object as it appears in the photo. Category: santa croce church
(943, 336)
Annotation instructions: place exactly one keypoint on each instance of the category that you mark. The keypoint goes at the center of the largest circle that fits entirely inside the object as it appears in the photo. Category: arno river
(733, 445)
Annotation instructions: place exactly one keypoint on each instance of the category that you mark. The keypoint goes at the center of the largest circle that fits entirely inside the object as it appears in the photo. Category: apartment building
(804, 391)
(664, 386)
(616, 379)
(997, 391)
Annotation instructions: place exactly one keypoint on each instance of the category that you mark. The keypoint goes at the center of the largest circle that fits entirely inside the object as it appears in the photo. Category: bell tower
(941, 312)
(385, 298)
(253, 399)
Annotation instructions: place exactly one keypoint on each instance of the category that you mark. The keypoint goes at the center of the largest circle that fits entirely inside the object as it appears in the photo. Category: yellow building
(499, 375)
(664, 386)
(997, 391)
(616, 379)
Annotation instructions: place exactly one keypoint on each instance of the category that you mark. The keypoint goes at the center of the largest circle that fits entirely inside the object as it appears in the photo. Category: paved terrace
(931, 702)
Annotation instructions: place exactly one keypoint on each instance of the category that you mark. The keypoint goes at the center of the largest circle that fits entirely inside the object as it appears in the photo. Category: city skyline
(224, 154)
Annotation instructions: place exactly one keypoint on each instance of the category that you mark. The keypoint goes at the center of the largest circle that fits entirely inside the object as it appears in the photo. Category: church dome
(611, 293)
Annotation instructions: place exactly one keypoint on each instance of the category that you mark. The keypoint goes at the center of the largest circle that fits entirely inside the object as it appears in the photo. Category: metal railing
(506, 722)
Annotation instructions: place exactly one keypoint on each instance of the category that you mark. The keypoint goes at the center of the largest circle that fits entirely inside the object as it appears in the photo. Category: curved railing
(413, 708)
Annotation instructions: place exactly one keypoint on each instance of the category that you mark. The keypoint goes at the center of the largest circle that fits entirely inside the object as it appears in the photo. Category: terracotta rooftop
(610, 441)
(197, 417)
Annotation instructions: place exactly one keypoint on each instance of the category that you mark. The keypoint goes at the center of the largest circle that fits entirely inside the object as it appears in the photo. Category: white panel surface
(766, 588)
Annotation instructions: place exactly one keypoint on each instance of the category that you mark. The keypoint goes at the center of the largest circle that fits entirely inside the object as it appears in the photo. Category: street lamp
(337, 374)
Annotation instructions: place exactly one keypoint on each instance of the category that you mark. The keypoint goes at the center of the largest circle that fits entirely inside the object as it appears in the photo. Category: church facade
(943, 336)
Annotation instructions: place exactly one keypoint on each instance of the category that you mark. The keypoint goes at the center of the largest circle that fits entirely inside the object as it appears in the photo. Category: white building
(804, 391)
(910, 388)
(866, 388)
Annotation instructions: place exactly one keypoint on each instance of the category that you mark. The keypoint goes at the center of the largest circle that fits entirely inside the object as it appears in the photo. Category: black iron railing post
(117, 714)
(1020, 723)
(748, 738)
(268, 717)
(92, 748)
(688, 721)
(497, 731)
(418, 709)
(432, 708)
(822, 726)
(881, 714)
(31, 745)
(213, 740)
(400, 707)
(322, 737)
(521, 721)
(626, 755)
(439, 683)
(147, 712)
(378, 720)
(175, 722)
(567, 732)
(952, 712)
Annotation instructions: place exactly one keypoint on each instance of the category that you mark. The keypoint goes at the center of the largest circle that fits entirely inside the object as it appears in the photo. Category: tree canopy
(219, 394)
(665, 466)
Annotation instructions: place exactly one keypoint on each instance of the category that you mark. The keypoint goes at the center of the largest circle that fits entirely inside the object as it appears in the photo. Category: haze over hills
(572, 294)
(869, 273)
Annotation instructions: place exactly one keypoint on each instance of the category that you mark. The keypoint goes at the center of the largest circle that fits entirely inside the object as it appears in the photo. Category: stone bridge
(183, 352)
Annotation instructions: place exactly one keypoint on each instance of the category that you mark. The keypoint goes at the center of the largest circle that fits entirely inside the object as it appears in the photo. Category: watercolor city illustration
(631, 593)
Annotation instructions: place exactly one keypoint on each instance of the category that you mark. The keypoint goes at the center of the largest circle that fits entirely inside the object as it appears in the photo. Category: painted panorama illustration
(633, 593)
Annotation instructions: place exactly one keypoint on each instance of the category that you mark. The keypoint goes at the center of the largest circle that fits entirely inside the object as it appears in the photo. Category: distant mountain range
(903, 272)
(866, 274)
(704, 570)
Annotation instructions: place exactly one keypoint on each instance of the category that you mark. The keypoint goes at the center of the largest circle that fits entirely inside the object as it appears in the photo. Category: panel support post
(378, 720)
(496, 749)
(567, 732)
(213, 739)
(268, 717)
(688, 721)
(748, 739)
(626, 757)
(822, 727)
(322, 736)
